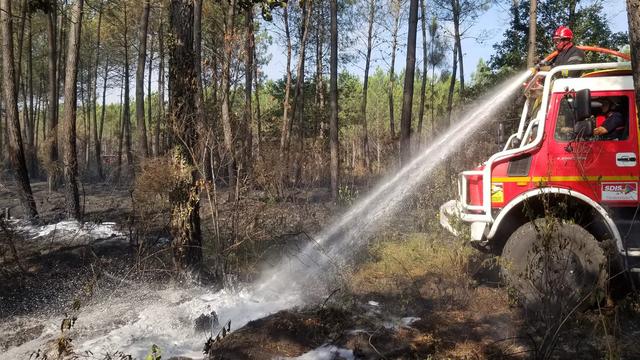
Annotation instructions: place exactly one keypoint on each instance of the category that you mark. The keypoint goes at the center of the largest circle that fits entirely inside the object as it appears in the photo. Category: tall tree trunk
(121, 126)
(16, 150)
(458, 43)
(533, 23)
(158, 147)
(298, 106)
(452, 85)
(425, 64)
(98, 133)
(226, 106)
(392, 76)
(248, 87)
(365, 87)
(333, 102)
(185, 217)
(256, 80)
(52, 108)
(633, 14)
(28, 110)
(320, 102)
(409, 79)
(97, 139)
(143, 150)
(149, 111)
(126, 115)
(70, 156)
(284, 135)
(203, 128)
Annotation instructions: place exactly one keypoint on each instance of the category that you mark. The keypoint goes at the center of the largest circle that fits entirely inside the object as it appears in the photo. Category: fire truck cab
(558, 203)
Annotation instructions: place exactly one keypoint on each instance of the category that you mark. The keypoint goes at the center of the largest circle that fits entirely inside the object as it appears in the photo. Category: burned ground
(414, 293)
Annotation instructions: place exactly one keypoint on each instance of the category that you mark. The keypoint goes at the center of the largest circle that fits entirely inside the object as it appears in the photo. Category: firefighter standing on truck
(568, 53)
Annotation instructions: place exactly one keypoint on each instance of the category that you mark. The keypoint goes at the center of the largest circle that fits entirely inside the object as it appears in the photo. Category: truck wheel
(554, 267)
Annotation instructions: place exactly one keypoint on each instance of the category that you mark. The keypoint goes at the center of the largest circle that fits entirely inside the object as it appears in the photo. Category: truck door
(605, 168)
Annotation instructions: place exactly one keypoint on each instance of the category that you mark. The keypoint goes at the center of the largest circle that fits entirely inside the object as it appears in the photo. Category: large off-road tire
(554, 267)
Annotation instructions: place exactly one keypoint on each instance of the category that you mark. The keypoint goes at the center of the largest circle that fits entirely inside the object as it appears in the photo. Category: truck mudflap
(450, 216)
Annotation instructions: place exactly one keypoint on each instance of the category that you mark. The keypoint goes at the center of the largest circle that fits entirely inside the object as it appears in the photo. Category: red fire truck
(560, 205)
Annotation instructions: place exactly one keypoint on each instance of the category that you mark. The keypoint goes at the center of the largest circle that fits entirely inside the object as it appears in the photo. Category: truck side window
(612, 113)
(565, 122)
(566, 129)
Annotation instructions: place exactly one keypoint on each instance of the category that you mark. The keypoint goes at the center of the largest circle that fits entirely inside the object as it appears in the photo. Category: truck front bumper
(451, 220)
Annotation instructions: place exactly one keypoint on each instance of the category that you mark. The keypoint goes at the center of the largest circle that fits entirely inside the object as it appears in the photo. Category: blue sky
(493, 22)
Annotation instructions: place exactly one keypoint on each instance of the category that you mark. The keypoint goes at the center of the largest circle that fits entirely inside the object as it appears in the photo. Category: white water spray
(142, 316)
(341, 238)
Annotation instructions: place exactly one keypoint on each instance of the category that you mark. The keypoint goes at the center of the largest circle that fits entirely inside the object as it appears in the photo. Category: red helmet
(563, 32)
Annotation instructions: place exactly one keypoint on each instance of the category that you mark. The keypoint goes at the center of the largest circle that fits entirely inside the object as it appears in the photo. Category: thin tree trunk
(248, 87)
(226, 106)
(16, 151)
(425, 69)
(121, 132)
(284, 136)
(32, 160)
(52, 108)
(365, 87)
(185, 217)
(333, 101)
(409, 79)
(320, 101)
(126, 115)
(149, 111)
(298, 106)
(70, 159)
(392, 76)
(143, 150)
(458, 43)
(452, 85)
(533, 23)
(256, 80)
(97, 134)
(159, 149)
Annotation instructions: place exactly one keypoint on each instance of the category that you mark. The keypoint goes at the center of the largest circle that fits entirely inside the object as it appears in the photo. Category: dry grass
(430, 266)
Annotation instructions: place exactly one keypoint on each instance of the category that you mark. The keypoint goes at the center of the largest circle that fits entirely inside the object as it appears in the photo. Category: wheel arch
(531, 205)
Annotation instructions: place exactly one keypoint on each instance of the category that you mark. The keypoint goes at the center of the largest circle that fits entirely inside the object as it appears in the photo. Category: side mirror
(582, 104)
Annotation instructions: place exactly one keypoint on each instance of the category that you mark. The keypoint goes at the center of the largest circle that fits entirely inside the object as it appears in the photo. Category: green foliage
(588, 22)
(347, 195)
(154, 353)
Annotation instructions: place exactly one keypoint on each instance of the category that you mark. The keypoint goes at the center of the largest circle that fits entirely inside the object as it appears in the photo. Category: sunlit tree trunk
(248, 87)
(395, 11)
(15, 146)
(425, 63)
(96, 138)
(533, 23)
(285, 133)
(365, 87)
(298, 105)
(70, 156)
(458, 41)
(143, 150)
(126, 114)
(452, 85)
(159, 149)
(185, 216)
(333, 102)
(409, 79)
